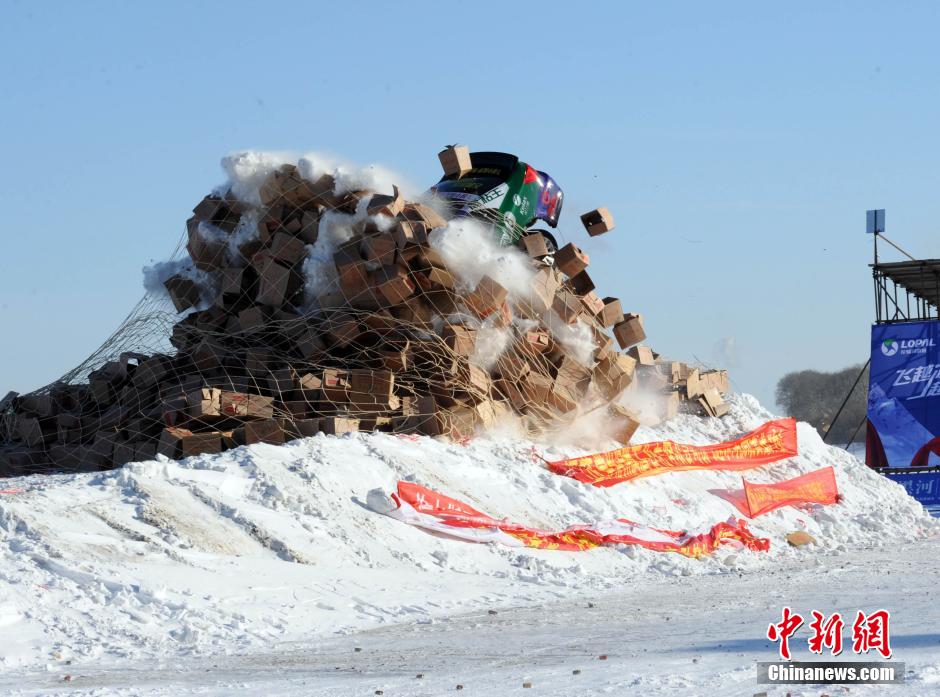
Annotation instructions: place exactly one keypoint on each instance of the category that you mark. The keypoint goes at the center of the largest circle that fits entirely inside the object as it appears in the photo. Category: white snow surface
(265, 545)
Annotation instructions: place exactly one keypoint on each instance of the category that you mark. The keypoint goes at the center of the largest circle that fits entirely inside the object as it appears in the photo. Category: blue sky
(738, 146)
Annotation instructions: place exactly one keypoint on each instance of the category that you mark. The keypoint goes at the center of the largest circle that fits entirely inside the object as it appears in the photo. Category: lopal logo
(889, 347)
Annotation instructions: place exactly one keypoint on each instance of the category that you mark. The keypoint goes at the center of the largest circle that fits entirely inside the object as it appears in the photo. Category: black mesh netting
(269, 331)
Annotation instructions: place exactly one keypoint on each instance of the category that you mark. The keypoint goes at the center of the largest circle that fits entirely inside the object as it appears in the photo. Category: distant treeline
(814, 397)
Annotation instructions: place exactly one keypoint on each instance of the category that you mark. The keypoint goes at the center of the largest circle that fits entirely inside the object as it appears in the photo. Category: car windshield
(470, 183)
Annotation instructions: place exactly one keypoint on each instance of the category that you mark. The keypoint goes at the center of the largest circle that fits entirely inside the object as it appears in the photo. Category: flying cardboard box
(570, 260)
(598, 221)
(630, 331)
(455, 160)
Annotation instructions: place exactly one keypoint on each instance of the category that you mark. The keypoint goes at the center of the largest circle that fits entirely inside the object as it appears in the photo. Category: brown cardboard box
(614, 374)
(592, 303)
(611, 314)
(395, 284)
(598, 221)
(371, 385)
(455, 160)
(183, 292)
(263, 431)
(486, 298)
(570, 260)
(204, 403)
(309, 344)
(245, 406)
(693, 385)
(338, 425)
(536, 245)
(382, 204)
(177, 443)
(630, 331)
(670, 406)
(273, 283)
(642, 355)
(460, 339)
(288, 249)
(380, 249)
(545, 285)
(421, 213)
(581, 283)
(251, 319)
(409, 233)
(625, 423)
(717, 379)
(535, 340)
(568, 306)
(207, 253)
(334, 385)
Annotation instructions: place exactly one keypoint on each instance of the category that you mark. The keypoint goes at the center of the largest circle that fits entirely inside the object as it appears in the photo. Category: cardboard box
(420, 213)
(383, 204)
(614, 374)
(338, 425)
(567, 305)
(459, 339)
(262, 431)
(670, 407)
(570, 260)
(334, 385)
(288, 249)
(204, 403)
(409, 233)
(273, 283)
(535, 341)
(598, 221)
(177, 443)
(251, 319)
(395, 285)
(183, 292)
(581, 283)
(630, 331)
(207, 252)
(486, 298)
(642, 355)
(535, 245)
(611, 313)
(380, 249)
(625, 423)
(544, 286)
(455, 160)
(245, 406)
(592, 303)
(713, 404)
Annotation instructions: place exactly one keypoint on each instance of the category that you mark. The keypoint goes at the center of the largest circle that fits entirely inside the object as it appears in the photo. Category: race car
(508, 193)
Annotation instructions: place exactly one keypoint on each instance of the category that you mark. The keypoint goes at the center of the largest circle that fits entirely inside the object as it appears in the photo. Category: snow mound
(263, 544)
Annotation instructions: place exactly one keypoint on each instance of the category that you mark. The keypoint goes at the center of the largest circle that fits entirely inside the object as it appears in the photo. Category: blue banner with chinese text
(904, 394)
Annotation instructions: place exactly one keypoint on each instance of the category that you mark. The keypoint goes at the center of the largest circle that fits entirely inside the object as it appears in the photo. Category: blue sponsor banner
(904, 395)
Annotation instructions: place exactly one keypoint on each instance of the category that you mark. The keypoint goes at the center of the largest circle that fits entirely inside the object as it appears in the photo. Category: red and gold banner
(442, 515)
(775, 440)
(814, 487)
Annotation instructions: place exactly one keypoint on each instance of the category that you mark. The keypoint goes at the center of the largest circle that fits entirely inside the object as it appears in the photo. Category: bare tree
(814, 397)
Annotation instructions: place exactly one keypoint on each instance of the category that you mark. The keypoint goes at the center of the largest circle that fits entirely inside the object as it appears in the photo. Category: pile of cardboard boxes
(389, 346)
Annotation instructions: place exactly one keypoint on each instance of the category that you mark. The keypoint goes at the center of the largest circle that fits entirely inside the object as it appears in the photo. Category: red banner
(442, 515)
(775, 440)
(814, 487)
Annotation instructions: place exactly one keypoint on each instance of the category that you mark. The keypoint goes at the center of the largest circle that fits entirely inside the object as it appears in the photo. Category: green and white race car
(508, 193)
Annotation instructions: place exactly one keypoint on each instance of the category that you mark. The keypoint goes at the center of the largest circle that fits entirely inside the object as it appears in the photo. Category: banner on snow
(775, 440)
(814, 487)
(442, 515)
(904, 395)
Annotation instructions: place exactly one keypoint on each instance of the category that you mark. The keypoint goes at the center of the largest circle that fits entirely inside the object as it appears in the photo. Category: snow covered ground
(264, 567)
